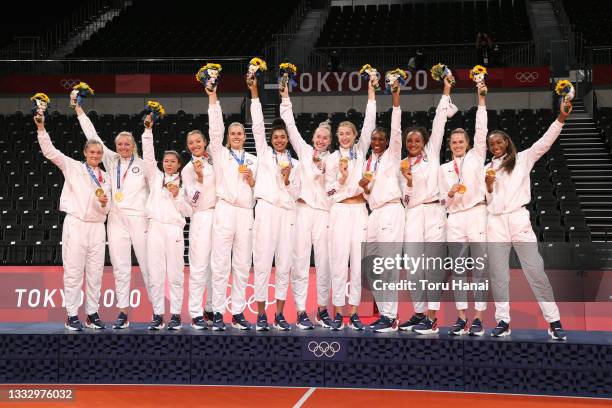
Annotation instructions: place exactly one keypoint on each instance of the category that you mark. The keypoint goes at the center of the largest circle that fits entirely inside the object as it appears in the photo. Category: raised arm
(90, 131)
(215, 123)
(369, 121)
(286, 113)
(480, 136)
(437, 130)
(148, 152)
(395, 141)
(542, 145)
(259, 129)
(46, 146)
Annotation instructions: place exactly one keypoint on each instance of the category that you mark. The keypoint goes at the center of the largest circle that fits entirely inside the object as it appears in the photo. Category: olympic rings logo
(69, 83)
(324, 348)
(523, 77)
(250, 300)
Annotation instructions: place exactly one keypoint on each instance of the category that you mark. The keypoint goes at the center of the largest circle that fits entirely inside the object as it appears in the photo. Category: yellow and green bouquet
(478, 74)
(155, 109)
(256, 67)
(208, 75)
(441, 71)
(394, 79)
(40, 104)
(287, 72)
(370, 72)
(565, 90)
(79, 92)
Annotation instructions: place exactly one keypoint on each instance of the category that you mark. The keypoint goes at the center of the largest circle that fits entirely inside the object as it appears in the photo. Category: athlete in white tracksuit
(462, 191)
(508, 225)
(424, 232)
(386, 222)
(235, 172)
(127, 222)
(348, 220)
(84, 199)
(167, 207)
(312, 215)
(274, 227)
(199, 182)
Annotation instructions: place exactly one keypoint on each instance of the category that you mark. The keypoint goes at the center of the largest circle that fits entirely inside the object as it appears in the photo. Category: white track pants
(425, 225)
(232, 246)
(311, 229)
(466, 233)
(273, 235)
(348, 224)
(83, 246)
(514, 230)
(125, 231)
(166, 249)
(386, 226)
(200, 247)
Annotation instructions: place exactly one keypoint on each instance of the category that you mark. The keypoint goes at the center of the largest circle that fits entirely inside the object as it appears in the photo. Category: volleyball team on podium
(315, 201)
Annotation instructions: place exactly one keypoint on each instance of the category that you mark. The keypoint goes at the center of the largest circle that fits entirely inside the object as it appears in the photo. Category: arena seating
(188, 28)
(425, 23)
(33, 20)
(592, 18)
(31, 225)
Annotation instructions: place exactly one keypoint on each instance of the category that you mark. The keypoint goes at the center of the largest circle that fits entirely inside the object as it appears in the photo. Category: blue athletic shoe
(157, 323)
(280, 323)
(303, 322)
(73, 323)
(218, 324)
(337, 323)
(209, 318)
(93, 322)
(262, 322)
(323, 318)
(198, 323)
(355, 323)
(427, 326)
(239, 322)
(385, 325)
(122, 321)
(556, 331)
(375, 322)
(414, 320)
(175, 322)
(502, 329)
(459, 328)
(476, 329)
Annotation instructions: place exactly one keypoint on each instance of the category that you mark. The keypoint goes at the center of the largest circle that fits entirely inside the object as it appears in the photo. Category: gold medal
(344, 160)
(242, 168)
(491, 172)
(283, 165)
(170, 185)
(368, 175)
(461, 189)
(405, 164)
(118, 196)
(100, 192)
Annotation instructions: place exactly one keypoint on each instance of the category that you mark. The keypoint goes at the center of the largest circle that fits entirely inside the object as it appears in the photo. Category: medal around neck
(370, 72)
(100, 192)
(256, 67)
(286, 75)
(441, 71)
(491, 172)
(40, 105)
(478, 74)
(119, 196)
(394, 79)
(368, 175)
(461, 189)
(209, 75)
(79, 92)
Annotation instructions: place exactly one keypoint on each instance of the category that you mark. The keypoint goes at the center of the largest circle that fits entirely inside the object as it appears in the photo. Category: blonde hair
(231, 125)
(348, 124)
(196, 132)
(325, 125)
(464, 133)
(129, 135)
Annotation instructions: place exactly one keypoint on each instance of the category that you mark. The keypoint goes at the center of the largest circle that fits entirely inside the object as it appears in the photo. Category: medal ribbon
(458, 171)
(375, 164)
(164, 183)
(288, 157)
(239, 160)
(122, 179)
(97, 180)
